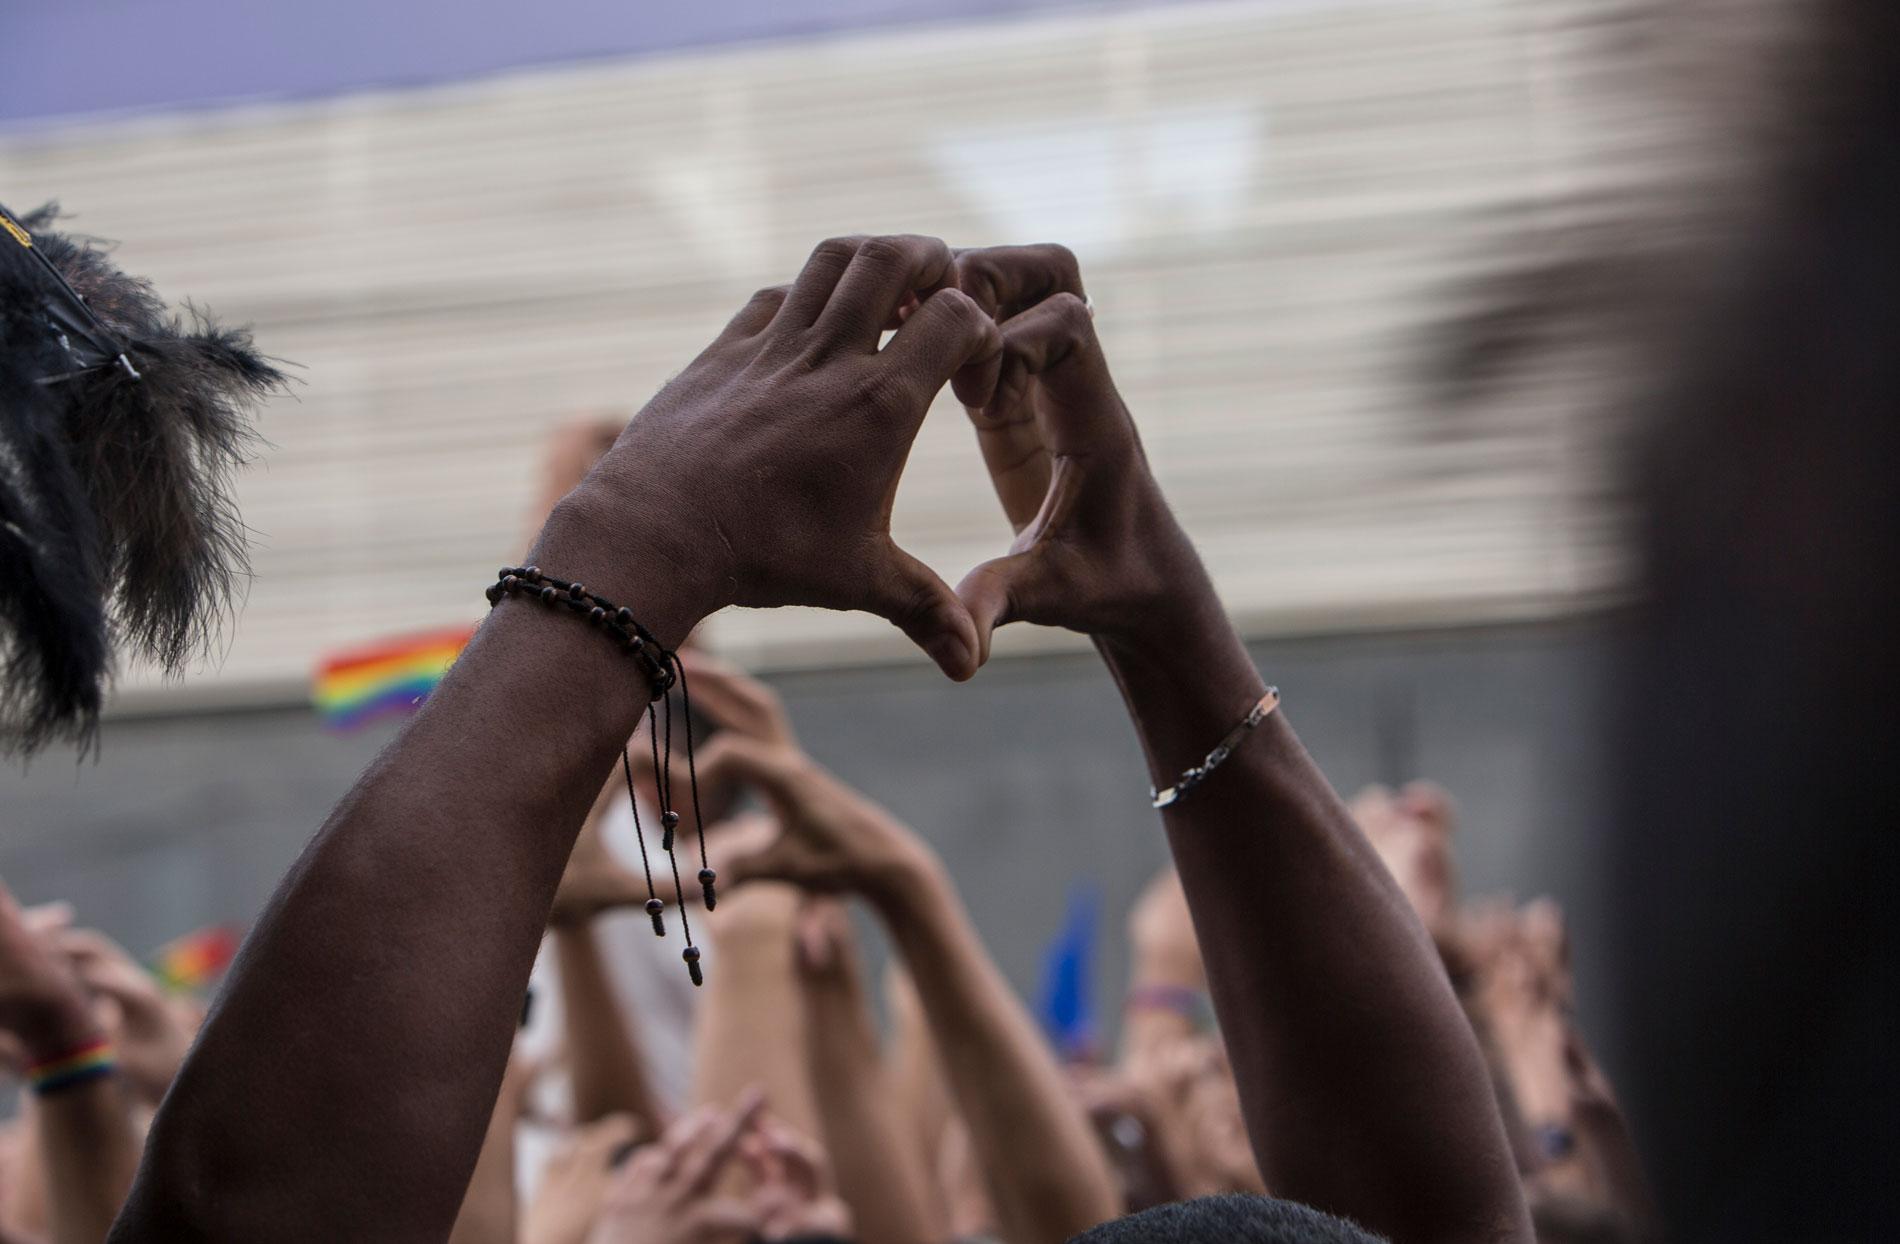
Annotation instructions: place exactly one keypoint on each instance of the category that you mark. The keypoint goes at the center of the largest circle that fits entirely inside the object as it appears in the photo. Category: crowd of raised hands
(1312, 1015)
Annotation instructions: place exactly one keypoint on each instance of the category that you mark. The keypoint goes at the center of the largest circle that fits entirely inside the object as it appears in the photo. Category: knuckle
(887, 251)
(1063, 263)
(1071, 314)
(958, 309)
(770, 295)
(838, 249)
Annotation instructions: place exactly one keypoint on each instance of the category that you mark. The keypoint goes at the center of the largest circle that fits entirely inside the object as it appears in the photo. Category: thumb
(994, 593)
(910, 594)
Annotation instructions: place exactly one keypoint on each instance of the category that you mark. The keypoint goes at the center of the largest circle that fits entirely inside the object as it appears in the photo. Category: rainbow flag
(192, 962)
(386, 679)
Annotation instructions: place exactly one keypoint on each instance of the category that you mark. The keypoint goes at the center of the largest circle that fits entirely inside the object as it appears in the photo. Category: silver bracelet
(1222, 750)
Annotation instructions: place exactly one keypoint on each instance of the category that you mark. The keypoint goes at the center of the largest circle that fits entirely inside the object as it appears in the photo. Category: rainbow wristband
(91, 1061)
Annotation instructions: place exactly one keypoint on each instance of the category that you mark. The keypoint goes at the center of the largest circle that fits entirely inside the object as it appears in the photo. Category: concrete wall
(1027, 779)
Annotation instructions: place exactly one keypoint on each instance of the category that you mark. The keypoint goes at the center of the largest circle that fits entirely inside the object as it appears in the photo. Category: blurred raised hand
(1411, 831)
(794, 1193)
(153, 1030)
(667, 1193)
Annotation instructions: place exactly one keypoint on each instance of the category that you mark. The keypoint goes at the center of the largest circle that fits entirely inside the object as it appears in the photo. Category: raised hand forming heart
(1097, 549)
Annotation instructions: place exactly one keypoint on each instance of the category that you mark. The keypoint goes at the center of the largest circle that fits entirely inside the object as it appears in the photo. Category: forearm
(608, 1070)
(341, 1087)
(1364, 1091)
(1047, 1174)
(879, 1171)
(90, 1148)
(733, 1051)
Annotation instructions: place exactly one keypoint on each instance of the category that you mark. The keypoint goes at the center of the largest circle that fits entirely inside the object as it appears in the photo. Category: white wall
(1270, 201)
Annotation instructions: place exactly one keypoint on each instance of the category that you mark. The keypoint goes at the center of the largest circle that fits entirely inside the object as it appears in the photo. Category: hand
(153, 1030)
(725, 696)
(1411, 831)
(764, 474)
(575, 1183)
(830, 838)
(41, 1002)
(664, 1195)
(795, 1196)
(1097, 549)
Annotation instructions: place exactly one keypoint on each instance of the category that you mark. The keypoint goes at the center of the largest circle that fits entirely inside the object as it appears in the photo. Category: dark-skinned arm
(341, 1087)
(1364, 1091)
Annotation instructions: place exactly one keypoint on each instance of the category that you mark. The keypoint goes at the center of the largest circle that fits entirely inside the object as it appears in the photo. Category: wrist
(905, 887)
(59, 1028)
(633, 556)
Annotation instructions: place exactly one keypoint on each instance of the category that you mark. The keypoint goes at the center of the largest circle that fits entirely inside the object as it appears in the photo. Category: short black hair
(1237, 1218)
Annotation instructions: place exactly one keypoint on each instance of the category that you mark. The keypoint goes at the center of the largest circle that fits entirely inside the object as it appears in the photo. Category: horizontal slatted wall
(1269, 201)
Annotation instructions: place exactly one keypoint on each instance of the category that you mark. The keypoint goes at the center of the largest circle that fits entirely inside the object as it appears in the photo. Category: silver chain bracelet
(1222, 750)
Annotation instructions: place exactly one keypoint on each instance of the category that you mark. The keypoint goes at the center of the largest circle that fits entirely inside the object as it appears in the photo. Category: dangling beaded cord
(654, 905)
(669, 819)
(706, 874)
(663, 669)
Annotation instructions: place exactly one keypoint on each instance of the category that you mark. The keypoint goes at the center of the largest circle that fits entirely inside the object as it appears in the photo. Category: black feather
(118, 491)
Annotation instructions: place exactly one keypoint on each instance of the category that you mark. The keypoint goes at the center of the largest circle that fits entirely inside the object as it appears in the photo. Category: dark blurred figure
(1761, 757)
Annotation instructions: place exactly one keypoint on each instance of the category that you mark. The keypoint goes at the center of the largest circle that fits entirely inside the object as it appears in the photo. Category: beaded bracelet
(663, 671)
(1193, 777)
(91, 1061)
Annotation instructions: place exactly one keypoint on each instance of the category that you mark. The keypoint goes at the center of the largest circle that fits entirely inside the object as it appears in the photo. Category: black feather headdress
(120, 426)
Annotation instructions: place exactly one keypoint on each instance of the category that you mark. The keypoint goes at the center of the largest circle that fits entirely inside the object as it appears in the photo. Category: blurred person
(1753, 843)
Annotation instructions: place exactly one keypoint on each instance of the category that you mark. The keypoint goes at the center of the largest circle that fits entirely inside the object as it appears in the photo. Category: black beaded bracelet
(663, 671)
(617, 620)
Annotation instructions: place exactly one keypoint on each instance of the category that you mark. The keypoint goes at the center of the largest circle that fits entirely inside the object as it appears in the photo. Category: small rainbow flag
(192, 962)
(386, 679)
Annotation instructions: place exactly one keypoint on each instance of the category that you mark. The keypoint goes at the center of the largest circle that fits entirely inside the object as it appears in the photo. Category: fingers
(909, 594)
(1008, 280)
(43, 919)
(757, 312)
(606, 1137)
(881, 278)
(741, 758)
(798, 1156)
(707, 1154)
(1054, 344)
(774, 860)
(735, 700)
(812, 289)
(949, 336)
